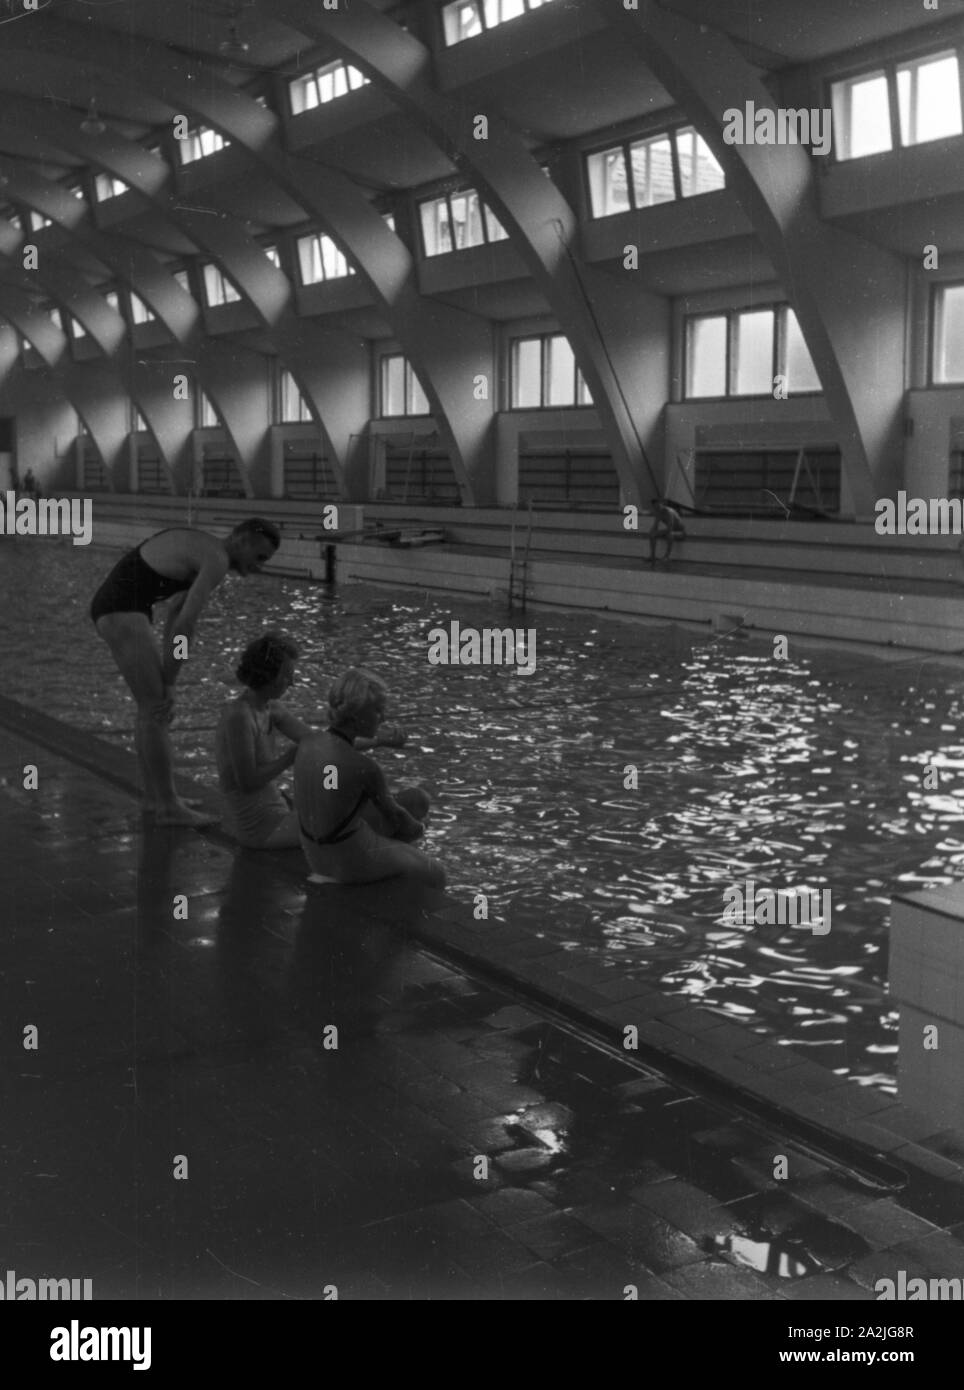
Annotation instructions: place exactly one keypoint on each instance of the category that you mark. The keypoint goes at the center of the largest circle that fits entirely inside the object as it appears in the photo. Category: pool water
(804, 772)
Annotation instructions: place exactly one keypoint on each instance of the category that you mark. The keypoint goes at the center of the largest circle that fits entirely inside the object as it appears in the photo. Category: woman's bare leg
(134, 649)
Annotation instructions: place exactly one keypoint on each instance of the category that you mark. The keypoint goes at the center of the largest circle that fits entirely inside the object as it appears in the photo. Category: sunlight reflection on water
(800, 772)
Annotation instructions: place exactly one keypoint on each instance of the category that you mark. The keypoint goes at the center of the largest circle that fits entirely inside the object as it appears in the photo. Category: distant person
(256, 812)
(353, 830)
(667, 525)
(184, 567)
(30, 483)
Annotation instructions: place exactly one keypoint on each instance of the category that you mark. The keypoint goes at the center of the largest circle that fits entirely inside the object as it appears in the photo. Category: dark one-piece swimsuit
(134, 587)
(340, 832)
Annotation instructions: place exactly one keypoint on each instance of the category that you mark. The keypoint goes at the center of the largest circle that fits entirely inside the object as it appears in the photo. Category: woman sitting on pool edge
(353, 830)
(256, 812)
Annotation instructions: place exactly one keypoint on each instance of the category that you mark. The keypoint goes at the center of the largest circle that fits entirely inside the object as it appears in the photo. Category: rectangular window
(389, 219)
(544, 373)
(55, 315)
(644, 173)
(217, 288)
(294, 407)
(401, 392)
(200, 143)
(113, 299)
(929, 98)
(77, 328)
(140, 424)
(106, 186)
(183, 279)
(706, 355)
(861, 115)
(324, 84)
(140, 313)
(465, 19)
(273, 255)
(526, 373)
(456, 221)
(742, 352)
(948, 365)
(698, 169)
(751, 353)
(320, 259)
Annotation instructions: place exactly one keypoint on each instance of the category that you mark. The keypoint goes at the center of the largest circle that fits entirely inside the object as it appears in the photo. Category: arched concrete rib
(332, 363)
(341, 413)
(447, 347)
(619, 332)
(96, 400)
(848, 293)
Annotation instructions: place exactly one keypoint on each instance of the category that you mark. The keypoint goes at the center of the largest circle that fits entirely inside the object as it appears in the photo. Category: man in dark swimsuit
(183, 567)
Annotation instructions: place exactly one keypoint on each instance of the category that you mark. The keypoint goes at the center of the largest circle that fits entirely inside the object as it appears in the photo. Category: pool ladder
(519, 569)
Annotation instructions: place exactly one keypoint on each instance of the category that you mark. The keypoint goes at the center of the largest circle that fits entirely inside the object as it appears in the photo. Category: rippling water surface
(803, 773)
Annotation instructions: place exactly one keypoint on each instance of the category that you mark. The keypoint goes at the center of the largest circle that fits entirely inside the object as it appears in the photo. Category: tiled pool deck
(310, 1166)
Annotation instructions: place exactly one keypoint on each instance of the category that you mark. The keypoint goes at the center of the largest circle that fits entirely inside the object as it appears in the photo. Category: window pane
(698, 169)
(949, 334)
(309, 262)
(466, 219)
(435, 227)
(861, 115)
(561, 372)
(494, 227)
(212, 285)
(583, 394)
(393, 385)
(706, 356)
(341, 81)
(801, 373)
(929, 96)
(183, 279)
(335, 265)
(652, 165)
(607, 183)
(461, 21)
(417, 399)
(753, 353)
(526, 372)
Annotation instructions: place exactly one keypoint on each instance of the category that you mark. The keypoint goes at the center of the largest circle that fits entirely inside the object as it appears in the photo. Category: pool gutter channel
(869, 1167)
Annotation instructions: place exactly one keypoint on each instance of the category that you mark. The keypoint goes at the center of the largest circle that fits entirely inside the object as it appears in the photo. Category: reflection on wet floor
(355, 1112)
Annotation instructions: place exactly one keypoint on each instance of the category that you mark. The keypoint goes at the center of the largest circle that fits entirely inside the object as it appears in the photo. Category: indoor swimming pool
(799, 773)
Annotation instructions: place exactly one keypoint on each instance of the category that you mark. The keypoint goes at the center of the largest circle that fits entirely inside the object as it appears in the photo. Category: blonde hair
(353, 693)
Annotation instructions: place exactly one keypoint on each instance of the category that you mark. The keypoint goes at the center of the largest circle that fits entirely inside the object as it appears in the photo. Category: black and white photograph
(482, 631)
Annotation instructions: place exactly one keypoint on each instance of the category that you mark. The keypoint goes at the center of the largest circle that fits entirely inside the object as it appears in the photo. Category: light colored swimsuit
(250, 817)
